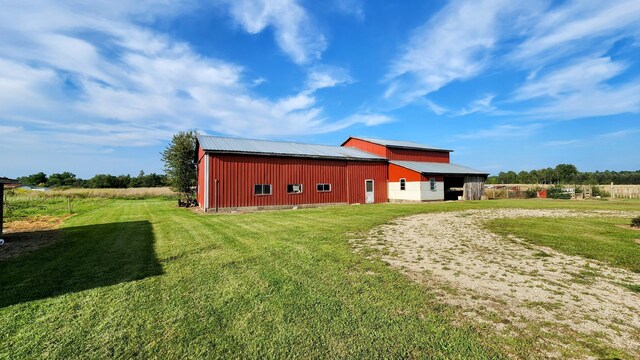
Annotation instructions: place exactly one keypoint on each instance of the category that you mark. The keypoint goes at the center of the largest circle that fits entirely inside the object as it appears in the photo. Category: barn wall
(358, 172)
(399, 153)
(417, 155)
(412, 191)
(430, 195)
(237, 175)
(366, 146)
(398, 172)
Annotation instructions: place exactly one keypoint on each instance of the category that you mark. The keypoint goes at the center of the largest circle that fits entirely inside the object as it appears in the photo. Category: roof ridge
(273, 141)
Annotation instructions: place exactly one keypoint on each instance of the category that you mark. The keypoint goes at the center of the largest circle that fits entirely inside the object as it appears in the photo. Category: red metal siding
(236, 176)
(398, 153)
(366, 146)
(398, 172)
(359, 172)
(417, 155)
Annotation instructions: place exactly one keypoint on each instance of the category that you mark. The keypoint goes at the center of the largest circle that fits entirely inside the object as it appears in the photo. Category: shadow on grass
(84, 257)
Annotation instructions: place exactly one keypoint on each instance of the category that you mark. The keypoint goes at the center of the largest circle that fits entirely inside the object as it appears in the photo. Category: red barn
(238, 173)
(419, 172)
(241, 173)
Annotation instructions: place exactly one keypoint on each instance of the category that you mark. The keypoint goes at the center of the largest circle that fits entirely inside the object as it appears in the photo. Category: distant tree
(37, 179)
(106, 181)
(64, 179)
(179, 163)
(566, 173)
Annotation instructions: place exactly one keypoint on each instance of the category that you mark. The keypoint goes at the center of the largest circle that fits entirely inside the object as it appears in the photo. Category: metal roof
(438, 168)
(281, 148)
(400, 144)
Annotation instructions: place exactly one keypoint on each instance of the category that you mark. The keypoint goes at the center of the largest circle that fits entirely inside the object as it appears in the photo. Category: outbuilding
(420, 172)
(238, 173)
(243, 173)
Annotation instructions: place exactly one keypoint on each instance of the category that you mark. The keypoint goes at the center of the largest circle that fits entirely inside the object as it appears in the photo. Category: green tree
(37, 179)
(566, 173)
(179, 163)
(64, 179)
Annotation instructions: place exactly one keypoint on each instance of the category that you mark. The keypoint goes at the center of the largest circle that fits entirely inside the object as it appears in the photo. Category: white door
(368, 191)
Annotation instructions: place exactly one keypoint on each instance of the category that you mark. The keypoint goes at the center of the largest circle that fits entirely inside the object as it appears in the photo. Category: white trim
(207, 182)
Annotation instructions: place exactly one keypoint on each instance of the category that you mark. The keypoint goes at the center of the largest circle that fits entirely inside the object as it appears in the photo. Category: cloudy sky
(100, 86)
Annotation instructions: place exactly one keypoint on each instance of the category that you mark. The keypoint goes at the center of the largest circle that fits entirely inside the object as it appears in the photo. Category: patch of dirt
(563, 302)
(628, 227)
(24, 236)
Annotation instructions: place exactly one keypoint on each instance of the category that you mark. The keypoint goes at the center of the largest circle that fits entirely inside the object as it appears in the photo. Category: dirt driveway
(564, 306)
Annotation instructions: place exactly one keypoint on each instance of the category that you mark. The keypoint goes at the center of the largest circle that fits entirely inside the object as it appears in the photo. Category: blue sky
(101, 86)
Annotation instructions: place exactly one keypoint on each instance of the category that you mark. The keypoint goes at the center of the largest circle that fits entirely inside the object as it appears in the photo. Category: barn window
(262, 189)
(294, 188)
(432, 184)
(323, 187)
(403, 184)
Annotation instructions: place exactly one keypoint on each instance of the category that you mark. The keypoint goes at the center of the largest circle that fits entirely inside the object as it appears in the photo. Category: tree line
(566, 174)
(100, 181)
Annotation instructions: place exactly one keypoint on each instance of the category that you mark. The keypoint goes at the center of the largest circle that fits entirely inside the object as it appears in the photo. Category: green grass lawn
(593, 238)
(144, 278)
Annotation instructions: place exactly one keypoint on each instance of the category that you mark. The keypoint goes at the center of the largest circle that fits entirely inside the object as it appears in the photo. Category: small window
(403, 184)
(368, 185)
(323, 187)
(432, 184)
(262, 189)
(294, 188)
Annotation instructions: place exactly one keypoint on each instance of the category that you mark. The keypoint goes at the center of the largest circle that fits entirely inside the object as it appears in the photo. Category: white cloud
(350, 7)
(566, 29)
(503, 132)
(96, 75)
(455, 44)
(321, 77)
(599, 139)
(484, 104)
(581, 89)
(293, 29)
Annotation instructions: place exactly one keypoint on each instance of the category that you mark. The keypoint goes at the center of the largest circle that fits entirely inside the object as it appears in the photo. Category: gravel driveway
(565, 303)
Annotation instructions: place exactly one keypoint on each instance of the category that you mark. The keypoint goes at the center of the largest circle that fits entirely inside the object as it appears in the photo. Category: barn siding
(417, 155)
(392, 153)
(358, 172)
(366, 146)
(237, 175)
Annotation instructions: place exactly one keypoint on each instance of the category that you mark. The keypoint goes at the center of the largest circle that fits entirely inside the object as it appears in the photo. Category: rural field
(136, 276)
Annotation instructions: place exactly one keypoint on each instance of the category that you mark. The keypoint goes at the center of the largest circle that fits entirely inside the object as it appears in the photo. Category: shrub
(557, 192)
(635, 222)
(531, 192)
(598, 191)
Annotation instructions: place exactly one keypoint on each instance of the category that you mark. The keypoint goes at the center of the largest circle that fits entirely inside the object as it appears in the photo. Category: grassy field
(144, 278)
(601, 239)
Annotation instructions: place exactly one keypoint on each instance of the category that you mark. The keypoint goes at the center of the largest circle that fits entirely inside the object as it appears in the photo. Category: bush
(598, 191)
(557, 192)
(635, 222)
(531, 192)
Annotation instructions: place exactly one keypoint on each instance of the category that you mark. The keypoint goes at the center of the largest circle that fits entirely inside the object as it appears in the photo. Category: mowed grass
(593, 238)
(142, 278)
